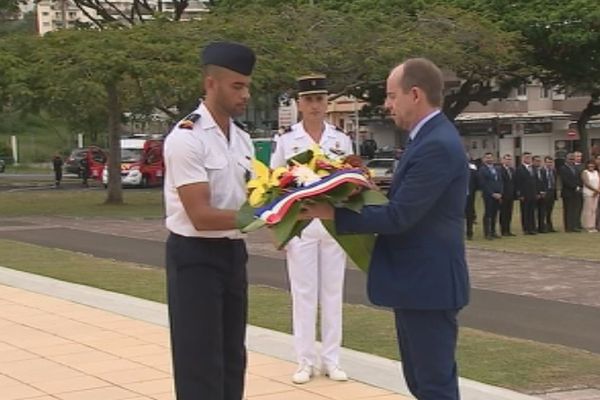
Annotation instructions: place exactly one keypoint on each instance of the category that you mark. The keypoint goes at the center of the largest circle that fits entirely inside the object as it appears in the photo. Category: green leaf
(341, 193)
(284, 229)
(298, 227)
(245, 217)
(253, 226)
(302, 158)
(374, 198)
(359, 248)
(355, 203)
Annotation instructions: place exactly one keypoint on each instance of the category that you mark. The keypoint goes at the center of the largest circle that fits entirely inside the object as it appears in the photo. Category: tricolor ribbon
(273, 212)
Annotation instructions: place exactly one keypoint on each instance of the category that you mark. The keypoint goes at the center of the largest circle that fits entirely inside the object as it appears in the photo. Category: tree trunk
(115, 190)
(592, 108)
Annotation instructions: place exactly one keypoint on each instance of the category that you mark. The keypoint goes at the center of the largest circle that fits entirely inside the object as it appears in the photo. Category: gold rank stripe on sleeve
(189, 121)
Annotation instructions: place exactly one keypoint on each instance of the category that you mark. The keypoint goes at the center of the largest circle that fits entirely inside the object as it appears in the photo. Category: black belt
(207, 239)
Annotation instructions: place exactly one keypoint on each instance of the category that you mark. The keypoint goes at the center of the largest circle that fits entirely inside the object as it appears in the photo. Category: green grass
(512, 363)
(138, 204)
(560, 244)
(148, 204)
(28, 169)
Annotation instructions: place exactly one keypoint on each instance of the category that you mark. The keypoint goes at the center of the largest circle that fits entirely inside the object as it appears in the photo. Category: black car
(73, 162)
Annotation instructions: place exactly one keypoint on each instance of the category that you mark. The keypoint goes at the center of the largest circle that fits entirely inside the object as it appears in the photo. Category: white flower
(304, 175)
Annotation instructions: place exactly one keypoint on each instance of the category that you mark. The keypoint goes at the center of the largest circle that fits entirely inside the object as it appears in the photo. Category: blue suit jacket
(489, 183)
(419, 256)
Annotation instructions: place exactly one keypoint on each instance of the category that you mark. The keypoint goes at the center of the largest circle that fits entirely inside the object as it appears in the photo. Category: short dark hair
(548, 158)
(488, 154)
(424, 74)
(526, 153)
(536, 157)
(507, 155)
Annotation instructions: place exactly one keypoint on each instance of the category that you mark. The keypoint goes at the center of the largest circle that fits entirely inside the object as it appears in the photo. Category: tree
(9, 9)
(564, 39)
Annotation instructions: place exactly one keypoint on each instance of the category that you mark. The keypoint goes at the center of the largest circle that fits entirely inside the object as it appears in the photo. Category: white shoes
(335, 373)
(302, 374)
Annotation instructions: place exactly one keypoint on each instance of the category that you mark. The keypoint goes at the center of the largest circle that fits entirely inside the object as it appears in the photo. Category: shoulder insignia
(287, 130)
(189, 121)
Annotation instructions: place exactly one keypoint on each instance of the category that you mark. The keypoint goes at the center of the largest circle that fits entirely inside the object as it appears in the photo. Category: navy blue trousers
(208, 305)
(427, 341)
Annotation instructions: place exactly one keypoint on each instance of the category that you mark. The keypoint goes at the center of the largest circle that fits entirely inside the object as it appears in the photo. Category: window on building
(46, 24)
(45, 13)
(545, 92)
(57, 14)
(522, 90)
(72, 14)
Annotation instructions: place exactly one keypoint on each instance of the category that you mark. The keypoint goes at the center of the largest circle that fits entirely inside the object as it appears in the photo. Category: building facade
(58, 14)
(532, 119)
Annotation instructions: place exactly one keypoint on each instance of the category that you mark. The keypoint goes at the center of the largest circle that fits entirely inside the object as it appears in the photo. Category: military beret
(312, 84)
(233, 56)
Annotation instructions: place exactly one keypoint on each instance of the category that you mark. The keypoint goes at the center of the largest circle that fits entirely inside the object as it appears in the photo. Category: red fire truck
(141, 163)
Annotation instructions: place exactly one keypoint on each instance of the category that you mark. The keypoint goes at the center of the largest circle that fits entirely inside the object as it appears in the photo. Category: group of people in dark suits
(534, 184)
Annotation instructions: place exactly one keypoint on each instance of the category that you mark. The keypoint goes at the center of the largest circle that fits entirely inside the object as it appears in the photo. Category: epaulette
(287, 130)
(189, 121)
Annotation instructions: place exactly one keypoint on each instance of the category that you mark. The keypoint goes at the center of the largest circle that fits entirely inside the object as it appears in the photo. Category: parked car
(96, 160)
(382, 170)
(2, 165)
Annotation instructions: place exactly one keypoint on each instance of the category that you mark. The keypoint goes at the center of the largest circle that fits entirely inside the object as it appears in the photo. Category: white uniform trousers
(316, 266)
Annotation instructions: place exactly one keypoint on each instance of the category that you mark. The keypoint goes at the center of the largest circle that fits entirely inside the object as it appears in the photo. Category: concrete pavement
(71, 342)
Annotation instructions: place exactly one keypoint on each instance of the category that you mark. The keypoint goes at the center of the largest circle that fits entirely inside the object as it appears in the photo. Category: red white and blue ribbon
(273, 212)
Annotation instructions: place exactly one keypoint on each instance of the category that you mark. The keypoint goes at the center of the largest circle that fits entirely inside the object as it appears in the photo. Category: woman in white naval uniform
(316, 263)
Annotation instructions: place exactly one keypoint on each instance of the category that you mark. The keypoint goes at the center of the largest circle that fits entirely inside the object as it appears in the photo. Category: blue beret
(233, 56)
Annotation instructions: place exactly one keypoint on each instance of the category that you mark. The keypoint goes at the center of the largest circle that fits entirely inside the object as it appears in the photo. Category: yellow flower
(259, 185)
(317, 154)
(276, 175)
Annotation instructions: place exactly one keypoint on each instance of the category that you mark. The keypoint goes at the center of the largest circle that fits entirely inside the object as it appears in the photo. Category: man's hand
(319, 210)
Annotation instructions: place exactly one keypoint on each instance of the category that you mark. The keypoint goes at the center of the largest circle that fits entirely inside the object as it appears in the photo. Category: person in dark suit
(470, 205)
(571, 194)
(525, 182)
(548, 173)
(540, 193)
(418, 265)
(507, 172)
(490, 183)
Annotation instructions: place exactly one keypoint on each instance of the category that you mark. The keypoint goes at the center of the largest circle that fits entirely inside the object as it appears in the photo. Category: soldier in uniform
(207, 161)
(316, 263)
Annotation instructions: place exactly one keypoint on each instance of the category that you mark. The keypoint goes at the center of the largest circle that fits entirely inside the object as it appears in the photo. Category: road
(533, 317)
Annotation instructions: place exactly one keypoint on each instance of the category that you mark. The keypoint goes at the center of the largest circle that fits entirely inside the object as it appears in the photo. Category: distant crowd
(536, 184)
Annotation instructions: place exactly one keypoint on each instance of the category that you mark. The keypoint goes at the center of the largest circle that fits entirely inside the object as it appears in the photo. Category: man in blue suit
(418, 266)
(490, 182)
